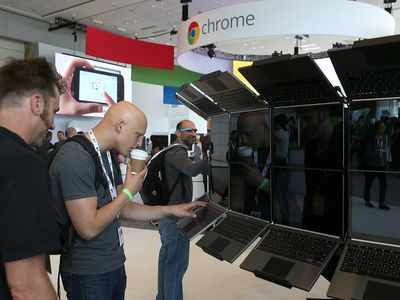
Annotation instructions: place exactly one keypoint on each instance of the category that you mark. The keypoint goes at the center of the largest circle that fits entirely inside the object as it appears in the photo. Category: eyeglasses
(188, 129)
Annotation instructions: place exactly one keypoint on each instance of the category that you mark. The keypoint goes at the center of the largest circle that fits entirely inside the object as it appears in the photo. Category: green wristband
(127, 193)
(263, 183)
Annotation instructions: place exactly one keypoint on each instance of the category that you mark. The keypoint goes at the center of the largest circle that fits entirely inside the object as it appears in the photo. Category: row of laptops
(289, 256)
(369, 266)
(297, 263)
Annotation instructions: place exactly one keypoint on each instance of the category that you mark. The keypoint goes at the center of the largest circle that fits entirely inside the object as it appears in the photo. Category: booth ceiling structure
(154, 20)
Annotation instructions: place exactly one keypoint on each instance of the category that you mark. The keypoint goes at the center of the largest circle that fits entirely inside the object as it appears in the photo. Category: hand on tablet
(68, 104)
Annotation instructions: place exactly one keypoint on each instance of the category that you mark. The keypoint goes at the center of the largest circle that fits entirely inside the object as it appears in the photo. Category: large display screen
(249, 159)
(307, 170)
(87, 80)
(374, 159)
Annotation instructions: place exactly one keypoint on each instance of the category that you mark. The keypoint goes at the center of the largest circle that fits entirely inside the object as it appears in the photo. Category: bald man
(249, 187)
(93, 266)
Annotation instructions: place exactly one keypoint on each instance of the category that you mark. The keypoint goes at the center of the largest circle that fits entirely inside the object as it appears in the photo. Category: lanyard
(267, 163)
(111, 185)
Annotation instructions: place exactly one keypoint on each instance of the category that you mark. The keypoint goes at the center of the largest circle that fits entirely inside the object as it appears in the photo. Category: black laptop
(370, 69)
(369, 267)
(233, 235)
(226, 91)
(290, 80)
(205, 218)
(307, 225)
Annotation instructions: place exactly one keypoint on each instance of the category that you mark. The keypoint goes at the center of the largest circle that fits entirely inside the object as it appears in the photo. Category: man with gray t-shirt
(93, 265)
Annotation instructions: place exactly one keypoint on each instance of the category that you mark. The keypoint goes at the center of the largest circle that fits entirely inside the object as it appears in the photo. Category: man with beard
(29, 98)
(174, 253)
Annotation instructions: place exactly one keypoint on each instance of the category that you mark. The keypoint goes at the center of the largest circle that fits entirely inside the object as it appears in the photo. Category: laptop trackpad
(377, 290)
(278, 267)
(219, 244)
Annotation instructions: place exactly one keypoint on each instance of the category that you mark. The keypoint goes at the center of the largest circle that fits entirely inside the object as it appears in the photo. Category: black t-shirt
(28, 226)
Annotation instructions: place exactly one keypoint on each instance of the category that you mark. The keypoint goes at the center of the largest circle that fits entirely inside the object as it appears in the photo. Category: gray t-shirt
(73, 177)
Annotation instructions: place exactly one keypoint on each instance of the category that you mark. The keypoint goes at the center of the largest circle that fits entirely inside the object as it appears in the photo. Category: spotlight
(185, 9)
(211, 50)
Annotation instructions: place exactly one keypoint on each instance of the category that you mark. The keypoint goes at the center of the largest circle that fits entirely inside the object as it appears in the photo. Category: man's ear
(37, 103)
(178, 133)
(119, 125)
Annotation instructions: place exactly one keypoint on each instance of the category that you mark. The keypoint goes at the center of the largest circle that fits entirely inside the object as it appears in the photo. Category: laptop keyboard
(373, 262)
(237, 100)
(297, 245)
(208, 214)
(308, 91)
(240, 228)
(372, 84)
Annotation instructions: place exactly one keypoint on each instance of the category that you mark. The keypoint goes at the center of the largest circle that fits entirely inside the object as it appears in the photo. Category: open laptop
(369, 267)
(206, 217)
(290, 80)
(195, 100)
(369, 69)
(228, 92)
(230, 237)
(307, 225)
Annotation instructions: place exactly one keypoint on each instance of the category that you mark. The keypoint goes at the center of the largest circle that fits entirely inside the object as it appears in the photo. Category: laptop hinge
(212, 253)
(375, 242)
(272, 278)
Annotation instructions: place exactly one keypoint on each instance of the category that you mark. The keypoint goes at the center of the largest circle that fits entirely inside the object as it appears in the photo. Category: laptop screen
(248, 157)
(374, 179)
(307, 172)
(288, 81)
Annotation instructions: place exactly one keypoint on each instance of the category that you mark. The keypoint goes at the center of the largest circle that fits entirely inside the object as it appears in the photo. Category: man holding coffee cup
(94, 262)
(173, 259)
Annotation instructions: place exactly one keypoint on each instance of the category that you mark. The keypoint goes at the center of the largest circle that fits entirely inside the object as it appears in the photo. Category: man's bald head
(126, 111)
(122, 127)
(253, 128)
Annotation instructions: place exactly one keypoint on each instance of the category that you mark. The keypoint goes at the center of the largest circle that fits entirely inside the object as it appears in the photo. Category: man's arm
(139, 212)
(179, 160)
(88, 220)
(27, 279)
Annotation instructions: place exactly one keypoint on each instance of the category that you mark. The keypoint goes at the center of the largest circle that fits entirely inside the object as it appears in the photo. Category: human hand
(134, 182)
(251, 174)
(186, 210)
(68, 104)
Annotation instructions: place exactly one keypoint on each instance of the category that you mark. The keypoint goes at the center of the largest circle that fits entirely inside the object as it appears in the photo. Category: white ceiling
(149, 18)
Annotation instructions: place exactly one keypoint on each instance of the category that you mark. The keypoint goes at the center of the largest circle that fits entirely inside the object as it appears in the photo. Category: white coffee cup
(138, 160)
(245, 154)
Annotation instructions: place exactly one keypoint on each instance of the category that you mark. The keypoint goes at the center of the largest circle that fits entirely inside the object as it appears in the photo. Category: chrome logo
(193, 33)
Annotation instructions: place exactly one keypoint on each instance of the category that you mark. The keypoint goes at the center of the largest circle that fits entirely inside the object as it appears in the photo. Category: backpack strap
(180, 174)
(89, 148)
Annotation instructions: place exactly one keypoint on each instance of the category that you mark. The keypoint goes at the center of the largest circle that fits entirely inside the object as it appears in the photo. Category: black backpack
(155, 189)
(67, 233)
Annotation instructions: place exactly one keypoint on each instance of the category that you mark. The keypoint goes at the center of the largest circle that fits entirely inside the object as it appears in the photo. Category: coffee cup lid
(138, 154)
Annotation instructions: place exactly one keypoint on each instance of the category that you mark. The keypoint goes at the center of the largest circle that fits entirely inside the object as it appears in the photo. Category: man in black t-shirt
(29, 98)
